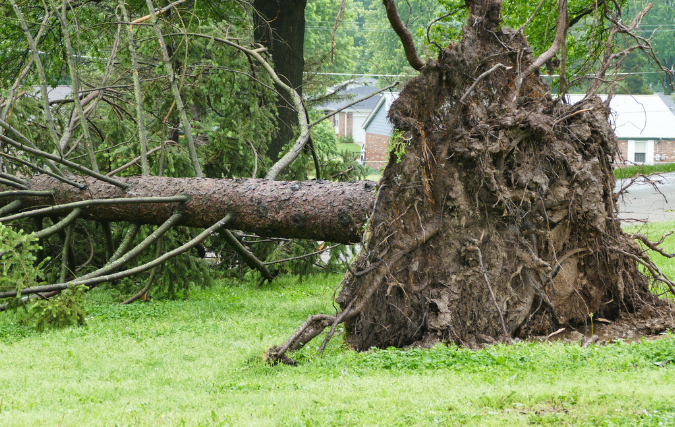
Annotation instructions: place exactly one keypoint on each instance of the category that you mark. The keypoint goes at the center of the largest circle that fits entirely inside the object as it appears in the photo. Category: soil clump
(495, 217)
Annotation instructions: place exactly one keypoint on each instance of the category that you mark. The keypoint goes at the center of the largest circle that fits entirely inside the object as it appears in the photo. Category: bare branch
(142, 294)
(60, 160)
(137, 92)
(133, 161)
(653, 245)
(25, 193)
(41, 71)
(558, 42)
(46, 172)
(67, 252)
(302, 256)
(157, 13)
(297, 102)
(609, 58)
(89, 281)
(13, 184)
(247, 256)
(176, 93)
(96, 202)
(70, 55)
(404, 34)
(338, 18)
(481, 77)
(529, 20)
(11, 207)
(435, 21)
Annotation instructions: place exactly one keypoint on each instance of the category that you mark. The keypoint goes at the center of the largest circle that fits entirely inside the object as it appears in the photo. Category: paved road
(641, 201)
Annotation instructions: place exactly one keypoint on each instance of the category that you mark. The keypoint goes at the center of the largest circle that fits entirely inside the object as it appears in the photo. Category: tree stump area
(496, 214)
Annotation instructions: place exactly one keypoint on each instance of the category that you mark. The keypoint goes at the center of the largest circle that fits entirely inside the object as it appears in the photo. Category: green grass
(352, 148)
(654, 231)
(198, 363)
(631, 171)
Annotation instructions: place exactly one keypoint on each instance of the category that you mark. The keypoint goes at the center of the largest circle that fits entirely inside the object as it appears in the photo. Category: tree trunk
(500, 220)
(319, 210)
(280, 27)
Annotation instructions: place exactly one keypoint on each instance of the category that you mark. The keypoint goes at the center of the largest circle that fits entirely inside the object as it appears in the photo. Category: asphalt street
(641, 201)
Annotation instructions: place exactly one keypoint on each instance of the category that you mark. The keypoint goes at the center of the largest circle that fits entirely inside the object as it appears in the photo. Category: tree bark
(280, 27)
(318, 210)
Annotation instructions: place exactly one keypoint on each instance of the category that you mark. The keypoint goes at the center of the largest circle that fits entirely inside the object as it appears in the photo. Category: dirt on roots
(499, 220)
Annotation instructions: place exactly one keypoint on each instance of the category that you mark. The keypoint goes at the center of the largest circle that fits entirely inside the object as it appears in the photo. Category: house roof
(386, 99)
(55, 93)
(638, 116)
(352, 93)
(667, 99)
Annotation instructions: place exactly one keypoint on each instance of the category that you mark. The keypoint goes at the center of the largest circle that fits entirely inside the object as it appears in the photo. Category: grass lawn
(352, 148)
(654, 231)
(631, 171)
(374, 176)
(199, 363)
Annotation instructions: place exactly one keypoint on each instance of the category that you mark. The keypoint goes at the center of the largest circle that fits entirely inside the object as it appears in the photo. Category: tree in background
(280, 27)
(659, 26)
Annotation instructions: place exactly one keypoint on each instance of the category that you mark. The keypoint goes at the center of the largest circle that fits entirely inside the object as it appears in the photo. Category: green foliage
(322, 52)
(325, 142)
(180, 275)
(66, 309)
(634, 84)
(345, 139)
(381, 47)
(176, 277)
(20, 270)
(18, 263)
(658, 25)
(654, 231)
(397, 145)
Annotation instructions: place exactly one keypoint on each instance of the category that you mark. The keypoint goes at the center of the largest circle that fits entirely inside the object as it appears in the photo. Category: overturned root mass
(500, 219)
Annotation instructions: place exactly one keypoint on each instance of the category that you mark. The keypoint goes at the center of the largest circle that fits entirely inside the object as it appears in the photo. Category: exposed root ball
(500, 219)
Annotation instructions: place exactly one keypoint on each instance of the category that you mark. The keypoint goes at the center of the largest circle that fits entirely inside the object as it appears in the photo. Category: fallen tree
(495, 217)
(318, 210)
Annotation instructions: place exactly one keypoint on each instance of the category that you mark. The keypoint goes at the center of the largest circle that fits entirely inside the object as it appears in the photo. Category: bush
(19, 269)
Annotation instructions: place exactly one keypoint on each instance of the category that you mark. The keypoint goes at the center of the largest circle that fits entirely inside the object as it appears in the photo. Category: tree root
(312, 327)
(492, 294)
(316, 324)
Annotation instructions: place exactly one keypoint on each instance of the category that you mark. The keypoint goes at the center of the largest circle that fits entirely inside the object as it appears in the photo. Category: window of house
(640, 152)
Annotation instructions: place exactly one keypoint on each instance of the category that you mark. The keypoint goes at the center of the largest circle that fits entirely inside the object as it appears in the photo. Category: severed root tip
(274, 356)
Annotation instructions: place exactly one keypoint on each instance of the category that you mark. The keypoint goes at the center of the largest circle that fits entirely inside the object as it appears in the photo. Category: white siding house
(644, 125)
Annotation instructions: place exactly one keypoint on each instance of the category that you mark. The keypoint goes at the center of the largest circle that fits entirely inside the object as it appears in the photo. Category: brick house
(378, 129)
(645, 127)
(349, 122)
